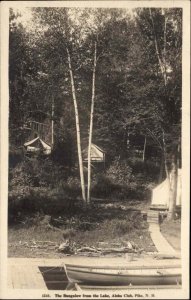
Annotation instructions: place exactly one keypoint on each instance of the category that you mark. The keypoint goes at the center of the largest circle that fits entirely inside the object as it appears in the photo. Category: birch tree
(77, 128)
(101, 17)
(91, 123)
(57, 24)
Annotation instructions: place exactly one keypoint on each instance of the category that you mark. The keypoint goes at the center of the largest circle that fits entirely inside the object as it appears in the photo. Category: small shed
(37, 145)
(97, 154)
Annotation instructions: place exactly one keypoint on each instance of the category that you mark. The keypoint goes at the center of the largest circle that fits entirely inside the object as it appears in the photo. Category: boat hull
(128, 277)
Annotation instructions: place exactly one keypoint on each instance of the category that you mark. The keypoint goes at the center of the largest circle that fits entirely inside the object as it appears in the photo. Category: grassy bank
(99, 226)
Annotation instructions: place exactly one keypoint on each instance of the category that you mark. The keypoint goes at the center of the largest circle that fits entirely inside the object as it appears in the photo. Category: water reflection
(55, 278)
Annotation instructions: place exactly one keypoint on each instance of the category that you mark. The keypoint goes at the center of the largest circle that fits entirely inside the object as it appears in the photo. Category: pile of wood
(72, 248)
(69, 247)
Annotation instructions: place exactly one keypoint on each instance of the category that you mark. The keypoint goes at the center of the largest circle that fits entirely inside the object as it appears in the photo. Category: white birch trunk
(173, 190)
(164, 55)
(52, 125)
(165, 165)
(144, 148)
(77, 129)
(91, 125)
(165, 156)
(162, 66)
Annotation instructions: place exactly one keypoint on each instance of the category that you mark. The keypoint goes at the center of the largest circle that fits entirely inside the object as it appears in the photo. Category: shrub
(40, 185)
(120, 172)
(20, 176)
(103, 187)
(42, 199)
(144, 171)
(37, 172)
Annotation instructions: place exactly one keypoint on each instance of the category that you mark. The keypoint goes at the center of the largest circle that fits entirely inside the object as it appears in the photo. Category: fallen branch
(46, 242)
(88, 249)
(116, 250)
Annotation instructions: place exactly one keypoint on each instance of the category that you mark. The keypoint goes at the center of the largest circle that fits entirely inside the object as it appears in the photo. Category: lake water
(55, 278)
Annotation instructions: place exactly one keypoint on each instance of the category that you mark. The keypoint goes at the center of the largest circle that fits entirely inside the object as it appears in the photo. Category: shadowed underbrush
(37, 185)
(45, 205)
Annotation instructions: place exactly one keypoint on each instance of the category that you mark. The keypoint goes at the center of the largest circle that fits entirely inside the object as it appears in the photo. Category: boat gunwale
(123, 268)
(82, 286)
(124, 275)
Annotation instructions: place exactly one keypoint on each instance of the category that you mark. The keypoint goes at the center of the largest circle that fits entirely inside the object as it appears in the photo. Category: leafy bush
(37, 172)
(42, 199)
(144, 171)
(73, 186)
(121, 182)
(40, 185)
(119, 172)
(103, 187)
(20, 176)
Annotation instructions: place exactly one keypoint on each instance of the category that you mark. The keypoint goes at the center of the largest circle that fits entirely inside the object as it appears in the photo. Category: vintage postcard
(95, 155)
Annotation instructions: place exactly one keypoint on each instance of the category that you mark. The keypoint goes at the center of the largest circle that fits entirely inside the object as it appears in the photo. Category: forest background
(136, 87)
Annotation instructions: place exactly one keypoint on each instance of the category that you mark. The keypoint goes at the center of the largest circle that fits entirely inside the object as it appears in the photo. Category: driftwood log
(106, 250)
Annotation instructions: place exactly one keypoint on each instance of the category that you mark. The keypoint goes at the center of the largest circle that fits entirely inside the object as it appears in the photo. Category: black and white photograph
(95, 149)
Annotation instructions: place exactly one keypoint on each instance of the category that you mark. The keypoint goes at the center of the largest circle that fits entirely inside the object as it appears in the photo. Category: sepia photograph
(95, 149)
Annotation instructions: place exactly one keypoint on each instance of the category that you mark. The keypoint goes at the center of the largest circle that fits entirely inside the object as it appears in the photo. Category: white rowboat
(146, 275)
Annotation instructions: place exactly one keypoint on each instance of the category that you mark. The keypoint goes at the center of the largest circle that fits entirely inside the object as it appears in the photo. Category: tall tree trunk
(160, 60)
(173, 189)
(91, 125)
(161, 169)
(144, 148)
(165, 164)
(52, 124)
(165, 156)
(77, 129)
(164, 51)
